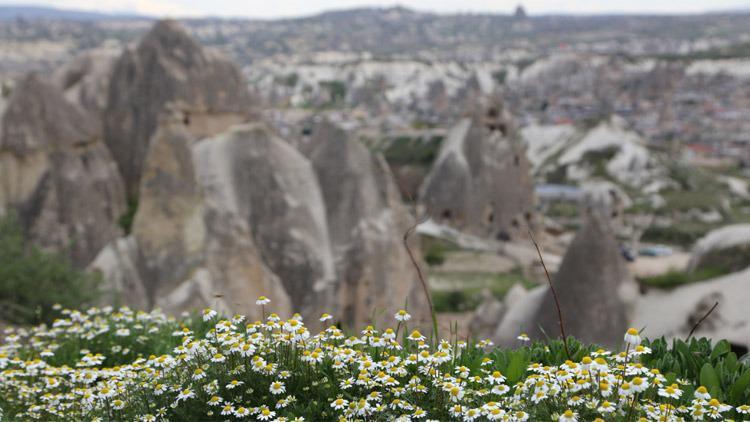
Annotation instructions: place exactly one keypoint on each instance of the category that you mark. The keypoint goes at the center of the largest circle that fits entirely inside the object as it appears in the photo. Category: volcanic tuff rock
(274, 190)
(190, 246)
(85, 79)
(481, 181)
(168, 73)
(57, 174)
(608, 150)
(675, 312)
(367, 221)
(589, 285)
(727, 248)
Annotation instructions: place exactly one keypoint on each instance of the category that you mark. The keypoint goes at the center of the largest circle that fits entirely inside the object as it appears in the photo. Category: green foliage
(434, 253)
(406, 150)
(715, 366)
(499, 76)
(175, 351)
(336, 90)
(684, 201)
(126, 219)
(685, 233)
(470, 293)
(598, 160)
(727, 260)
(675, 278)
(563, 209)
(455, 301)
(524, 63)
(32, 281)
(698, 189)
(289, 80)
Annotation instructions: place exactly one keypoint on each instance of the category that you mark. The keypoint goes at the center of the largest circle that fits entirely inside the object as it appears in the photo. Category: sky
(292, 8)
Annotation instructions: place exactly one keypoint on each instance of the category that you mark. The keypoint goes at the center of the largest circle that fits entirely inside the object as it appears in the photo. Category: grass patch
(675, 278)
(684, 201)
(466, 293)
(684, 233)
(563, 210)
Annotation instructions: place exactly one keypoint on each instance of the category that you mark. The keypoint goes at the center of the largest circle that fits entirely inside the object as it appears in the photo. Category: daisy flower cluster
(107, 364)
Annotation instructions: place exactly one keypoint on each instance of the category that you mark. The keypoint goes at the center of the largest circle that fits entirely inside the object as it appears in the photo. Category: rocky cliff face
(367, 221)
(56, 174)
(481, 181)
(168, 73)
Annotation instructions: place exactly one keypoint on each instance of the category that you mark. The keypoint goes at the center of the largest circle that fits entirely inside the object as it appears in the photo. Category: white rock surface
(716, 240)
(521, 307)
(673, 313)
(544, 141)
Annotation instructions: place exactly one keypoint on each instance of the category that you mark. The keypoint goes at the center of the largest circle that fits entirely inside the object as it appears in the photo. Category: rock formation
(57, 174)
(726, 248)
(275, 191)
(481, 181)
(521, 307)
(589, 286)
(168, 73)
(85, 79)
(190, 246)
(367, 221)
(675, 312)
(608, 200)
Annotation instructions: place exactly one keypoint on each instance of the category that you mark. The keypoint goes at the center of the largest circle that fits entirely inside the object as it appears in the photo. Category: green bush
(336, 90)
(435, 255)
(455, 300)
(32, 281)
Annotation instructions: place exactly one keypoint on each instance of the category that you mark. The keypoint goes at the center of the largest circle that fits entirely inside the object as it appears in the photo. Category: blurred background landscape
(199, 162)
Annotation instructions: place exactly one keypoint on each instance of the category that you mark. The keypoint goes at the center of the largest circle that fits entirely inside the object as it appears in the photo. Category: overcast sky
(288, 8)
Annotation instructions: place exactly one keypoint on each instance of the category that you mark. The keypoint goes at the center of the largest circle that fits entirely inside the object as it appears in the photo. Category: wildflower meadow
(121, 365)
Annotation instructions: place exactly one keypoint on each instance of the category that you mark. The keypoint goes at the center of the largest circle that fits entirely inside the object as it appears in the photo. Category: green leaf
(687, 357)
(710, 380)
(721, 349)
(730, 363)
(516, 367)
(739, 389)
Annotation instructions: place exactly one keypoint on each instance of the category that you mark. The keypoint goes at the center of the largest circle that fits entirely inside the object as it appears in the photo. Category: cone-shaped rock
(168, 73)
(274, 188)
(588, 286)
(367, 221)
(57, 174)
(481, 181)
